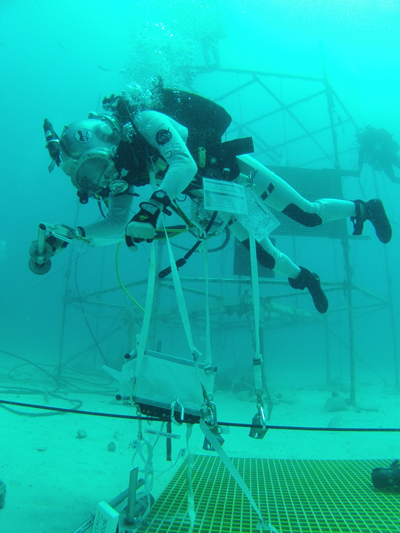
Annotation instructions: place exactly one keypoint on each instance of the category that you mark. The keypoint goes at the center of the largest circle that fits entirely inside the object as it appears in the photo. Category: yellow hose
(120, 281)
(174, 233)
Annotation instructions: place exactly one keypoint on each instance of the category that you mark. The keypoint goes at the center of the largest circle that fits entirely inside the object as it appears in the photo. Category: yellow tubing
(120, 281)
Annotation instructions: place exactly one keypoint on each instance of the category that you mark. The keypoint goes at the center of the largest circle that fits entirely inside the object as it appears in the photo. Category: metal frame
(330, 152)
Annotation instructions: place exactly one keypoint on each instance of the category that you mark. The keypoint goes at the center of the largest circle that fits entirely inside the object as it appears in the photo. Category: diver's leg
(215, 53)
(267, 255)
(279, 195)
(389, 171)
(206, 51)
(273, 259)
(395, 160)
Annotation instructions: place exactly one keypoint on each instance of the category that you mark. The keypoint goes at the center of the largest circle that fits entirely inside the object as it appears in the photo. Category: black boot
(309, 280)
(375, 213)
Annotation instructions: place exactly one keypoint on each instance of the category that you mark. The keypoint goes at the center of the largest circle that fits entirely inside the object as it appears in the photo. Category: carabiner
(209, 413)
(173, 404)
(261, 414)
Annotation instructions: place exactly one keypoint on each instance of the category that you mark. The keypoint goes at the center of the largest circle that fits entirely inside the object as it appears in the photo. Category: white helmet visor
(93, 172)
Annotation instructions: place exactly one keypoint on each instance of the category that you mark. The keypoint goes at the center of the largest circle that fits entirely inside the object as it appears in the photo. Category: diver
(173, 142)
(378, 149)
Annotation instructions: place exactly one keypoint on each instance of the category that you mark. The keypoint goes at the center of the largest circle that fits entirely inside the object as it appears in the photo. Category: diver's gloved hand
(56, 244)
(143, 225)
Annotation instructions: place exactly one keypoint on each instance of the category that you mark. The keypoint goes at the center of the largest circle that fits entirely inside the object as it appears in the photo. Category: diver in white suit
(177, 141)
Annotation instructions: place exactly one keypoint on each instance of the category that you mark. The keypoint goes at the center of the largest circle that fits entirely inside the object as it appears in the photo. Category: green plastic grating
(293, 496)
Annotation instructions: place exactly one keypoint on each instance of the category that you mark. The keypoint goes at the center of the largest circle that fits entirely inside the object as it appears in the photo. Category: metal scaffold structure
(296, 116)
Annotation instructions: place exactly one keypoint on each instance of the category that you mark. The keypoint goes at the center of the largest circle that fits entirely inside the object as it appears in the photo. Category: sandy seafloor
(54, 480)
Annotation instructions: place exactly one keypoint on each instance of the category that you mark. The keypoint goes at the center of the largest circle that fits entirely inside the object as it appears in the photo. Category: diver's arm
(56, 237)
(112, 228)
(169, 138)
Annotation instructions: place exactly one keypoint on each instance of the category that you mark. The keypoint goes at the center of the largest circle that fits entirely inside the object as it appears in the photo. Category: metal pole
(64, 318)
(64, 309)
(349, 292)
(329, 98)
(41, 239)
(133, 480)
(168, 441)
(345, 241)
(152, 344)
(391, 307)
(100, 285)
(392, 323)
(327, 351)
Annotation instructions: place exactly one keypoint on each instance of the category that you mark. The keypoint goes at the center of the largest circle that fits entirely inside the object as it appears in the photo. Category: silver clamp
(261, 414)
(65, 233)
(196, 354)
(173, 404)
(209, 413)
(251, 178)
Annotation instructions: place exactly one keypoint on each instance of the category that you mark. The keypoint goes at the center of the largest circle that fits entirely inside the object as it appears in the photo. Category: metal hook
(173, 404)
(209, 412)
(261, 414)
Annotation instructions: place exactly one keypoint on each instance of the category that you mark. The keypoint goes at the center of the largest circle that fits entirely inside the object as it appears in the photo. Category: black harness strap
(181, 262)
(358, 220)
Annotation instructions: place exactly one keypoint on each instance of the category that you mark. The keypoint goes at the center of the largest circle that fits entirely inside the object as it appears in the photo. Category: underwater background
(59, 59)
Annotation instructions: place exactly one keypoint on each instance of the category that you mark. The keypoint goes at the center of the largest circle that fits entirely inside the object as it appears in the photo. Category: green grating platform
(293, 496)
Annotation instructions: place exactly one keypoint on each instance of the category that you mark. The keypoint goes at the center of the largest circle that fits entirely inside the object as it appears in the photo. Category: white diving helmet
(87, 149)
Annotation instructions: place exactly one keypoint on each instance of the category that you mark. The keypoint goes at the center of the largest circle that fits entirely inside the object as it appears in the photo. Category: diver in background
(208, 31)
(199, 23)
(175, 40)
(106, 156)
(378, 149)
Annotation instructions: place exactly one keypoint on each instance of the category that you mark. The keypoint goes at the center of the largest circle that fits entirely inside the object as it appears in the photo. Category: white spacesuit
(107, 156)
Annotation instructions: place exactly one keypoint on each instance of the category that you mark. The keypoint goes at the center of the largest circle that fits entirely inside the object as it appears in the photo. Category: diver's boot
(309, 280)
(375, 213)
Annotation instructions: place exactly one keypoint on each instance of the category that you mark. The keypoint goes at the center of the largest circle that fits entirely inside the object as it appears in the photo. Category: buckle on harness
(358, 220)
(358, 225)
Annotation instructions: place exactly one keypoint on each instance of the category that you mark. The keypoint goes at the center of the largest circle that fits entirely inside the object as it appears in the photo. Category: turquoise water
(59, 59)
